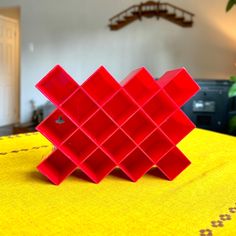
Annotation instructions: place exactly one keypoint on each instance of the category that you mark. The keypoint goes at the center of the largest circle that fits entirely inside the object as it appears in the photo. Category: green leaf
(233, 78)
(230, 4)
(232, 125)
(232, 91)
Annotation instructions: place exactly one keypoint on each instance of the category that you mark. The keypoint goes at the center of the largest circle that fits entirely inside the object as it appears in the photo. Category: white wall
(74, 33)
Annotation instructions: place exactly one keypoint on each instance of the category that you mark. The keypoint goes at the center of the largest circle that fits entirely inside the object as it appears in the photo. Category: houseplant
(232, 95)
(232, 90)
(230, 4)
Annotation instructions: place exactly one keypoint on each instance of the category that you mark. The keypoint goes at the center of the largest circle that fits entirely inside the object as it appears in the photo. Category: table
(200, 201)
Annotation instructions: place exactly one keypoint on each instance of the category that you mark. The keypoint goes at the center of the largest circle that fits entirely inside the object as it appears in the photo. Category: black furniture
(211, 108)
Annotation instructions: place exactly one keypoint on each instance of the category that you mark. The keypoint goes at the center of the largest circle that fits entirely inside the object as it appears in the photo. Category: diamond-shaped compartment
(120, 107)
(97, 166)
(118, 146)
(78, 146)
(177, 126)
(56, 167)
(57, 85)
(138, 126)
(140, 85)
(136, 164)
(179, 85)
(159, 107)
(79, 106)
(101, 85)
(173, 163)
(156, 145)
(56, 127)
(99, 126)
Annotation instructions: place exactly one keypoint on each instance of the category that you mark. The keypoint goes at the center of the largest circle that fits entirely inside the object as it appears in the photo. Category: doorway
(9, 70)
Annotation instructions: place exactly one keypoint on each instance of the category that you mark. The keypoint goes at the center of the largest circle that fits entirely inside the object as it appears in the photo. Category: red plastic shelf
(173, 163)
(179, 85)
(177, 126)
(57, 167)
(140, 85)
(120, 107)
(57, 127)
(97, 165)
(79, 106)
(159, 107)
(136, 164)
(102, 124)
(138, 126)
(101, 85)
(99, 126)
(57, 85)
(118, 145)
(156, 145)
(78, 146)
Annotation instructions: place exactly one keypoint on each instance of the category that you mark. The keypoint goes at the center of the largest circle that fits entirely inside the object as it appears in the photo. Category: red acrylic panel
(120, 107)
(102, 124)
(97, 165)
(56, 167)
(138, 126)
(101, 85)
(140, 85)
(177, 126)
(57, 85)
(79, 106)
(156, 145)
(179, 85)
(118, 146)
(78, 146)
(99, 126)
(159, 107)
(136, 164)
(173, 163)
(56, 127)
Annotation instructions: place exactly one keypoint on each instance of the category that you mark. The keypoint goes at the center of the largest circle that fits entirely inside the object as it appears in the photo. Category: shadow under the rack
(118, 173)
(38, 177)
(78, 174)
(81, 175)
(155, 172)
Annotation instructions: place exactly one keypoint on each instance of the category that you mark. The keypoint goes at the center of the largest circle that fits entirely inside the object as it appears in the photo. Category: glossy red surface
(102, 124)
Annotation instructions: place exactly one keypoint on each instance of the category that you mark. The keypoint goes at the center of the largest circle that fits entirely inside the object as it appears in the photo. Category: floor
(6, 130)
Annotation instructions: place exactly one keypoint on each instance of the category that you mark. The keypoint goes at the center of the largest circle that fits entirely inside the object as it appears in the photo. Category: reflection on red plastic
(101, 124)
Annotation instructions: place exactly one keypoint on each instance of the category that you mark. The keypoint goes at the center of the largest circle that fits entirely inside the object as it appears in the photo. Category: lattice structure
(102, 124)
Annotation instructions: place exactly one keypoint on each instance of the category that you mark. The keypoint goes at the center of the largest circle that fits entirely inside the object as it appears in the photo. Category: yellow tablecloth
(200, 201)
